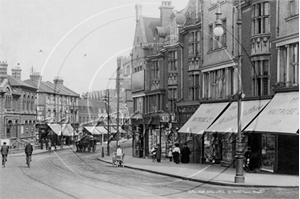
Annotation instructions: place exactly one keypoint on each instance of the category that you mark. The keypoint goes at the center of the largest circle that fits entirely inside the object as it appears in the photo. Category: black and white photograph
(142, 99)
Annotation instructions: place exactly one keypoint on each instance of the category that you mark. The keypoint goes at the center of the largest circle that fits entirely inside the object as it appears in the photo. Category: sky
(76, 40)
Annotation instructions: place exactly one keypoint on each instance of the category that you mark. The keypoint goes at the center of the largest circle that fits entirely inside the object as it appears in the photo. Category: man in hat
(4, 152)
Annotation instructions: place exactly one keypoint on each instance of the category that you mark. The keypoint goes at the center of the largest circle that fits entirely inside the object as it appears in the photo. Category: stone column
(288, 81)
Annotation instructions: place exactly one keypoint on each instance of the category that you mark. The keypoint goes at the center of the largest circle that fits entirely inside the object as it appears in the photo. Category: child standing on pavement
(170, 154)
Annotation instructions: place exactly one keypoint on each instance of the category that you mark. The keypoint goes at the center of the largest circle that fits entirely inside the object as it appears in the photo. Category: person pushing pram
(118, 158)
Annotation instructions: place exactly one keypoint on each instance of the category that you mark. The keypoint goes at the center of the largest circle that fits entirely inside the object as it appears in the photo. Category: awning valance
(227, 122)
(203, 118)
(281, 115)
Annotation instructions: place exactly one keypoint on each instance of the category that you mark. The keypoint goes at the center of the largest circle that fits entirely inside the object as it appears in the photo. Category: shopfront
(220, 144)
(275, 131)
(137, 126)
(159, 132)
(195, 127)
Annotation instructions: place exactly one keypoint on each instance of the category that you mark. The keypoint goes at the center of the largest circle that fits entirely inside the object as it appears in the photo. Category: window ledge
(292, 17)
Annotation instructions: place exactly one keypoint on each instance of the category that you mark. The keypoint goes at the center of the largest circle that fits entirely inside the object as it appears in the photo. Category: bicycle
(28, 159)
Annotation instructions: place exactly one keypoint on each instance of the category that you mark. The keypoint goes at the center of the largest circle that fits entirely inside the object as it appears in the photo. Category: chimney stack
(58, 81)
(3, 71)
(16, 72)
(166, 9)
(35, 77)
(138, 10)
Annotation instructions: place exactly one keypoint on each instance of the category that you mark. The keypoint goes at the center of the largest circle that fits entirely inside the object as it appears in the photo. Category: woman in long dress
(185, 154)
(176, 153)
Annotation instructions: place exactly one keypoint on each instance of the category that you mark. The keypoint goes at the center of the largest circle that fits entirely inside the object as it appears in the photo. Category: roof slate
(49, 87)
(16, 82)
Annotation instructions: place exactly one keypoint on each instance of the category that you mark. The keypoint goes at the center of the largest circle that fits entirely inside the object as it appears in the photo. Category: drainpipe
(181, 89)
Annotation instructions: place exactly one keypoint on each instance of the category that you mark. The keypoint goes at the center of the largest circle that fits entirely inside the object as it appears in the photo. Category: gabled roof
(150, 25)
(16, 82)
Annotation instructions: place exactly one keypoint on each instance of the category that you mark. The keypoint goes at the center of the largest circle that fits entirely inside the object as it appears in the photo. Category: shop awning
(56, 128)
(67, 129)
(203, 118)
(227, 122)
(281, 115)
(96, 130)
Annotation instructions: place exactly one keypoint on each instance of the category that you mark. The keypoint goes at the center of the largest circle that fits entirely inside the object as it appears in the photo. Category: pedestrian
(153, 153)
(176, 153)
(247, 159)
(158, 153)
(185, 154)
(170, 154)
(49, 146)
(4, 152)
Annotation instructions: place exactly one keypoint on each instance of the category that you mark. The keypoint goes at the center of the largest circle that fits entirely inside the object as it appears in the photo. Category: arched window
(24, 102)
(28, 103)
(32, 104)
(127, 72)
(8, 99)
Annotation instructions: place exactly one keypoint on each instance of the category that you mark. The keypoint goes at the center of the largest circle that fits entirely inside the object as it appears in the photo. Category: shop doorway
(268, 152)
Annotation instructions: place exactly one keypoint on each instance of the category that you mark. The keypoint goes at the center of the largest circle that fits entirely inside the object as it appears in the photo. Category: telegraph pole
(108, 120)
(118, 98)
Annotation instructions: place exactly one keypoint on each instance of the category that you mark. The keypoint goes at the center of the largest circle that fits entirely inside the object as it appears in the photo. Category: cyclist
(28, 152)
(4, 152)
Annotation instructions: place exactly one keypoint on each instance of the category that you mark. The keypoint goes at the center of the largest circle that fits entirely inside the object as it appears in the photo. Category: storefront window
(213, 147)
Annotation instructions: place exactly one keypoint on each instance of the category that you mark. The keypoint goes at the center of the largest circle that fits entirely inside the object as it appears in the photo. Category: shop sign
(40, 113)
(164, 117)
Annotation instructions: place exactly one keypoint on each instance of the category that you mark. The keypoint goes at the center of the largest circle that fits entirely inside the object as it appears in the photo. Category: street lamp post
(218, 31)
(239, 177)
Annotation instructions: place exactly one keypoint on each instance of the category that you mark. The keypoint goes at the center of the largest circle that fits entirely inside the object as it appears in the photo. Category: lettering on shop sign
(224, 120)
(194, 127)
(253, 109)
(202, 119)
(295, 100)
(232, 108)
(276, 122)
(281, 111)
(208, 110)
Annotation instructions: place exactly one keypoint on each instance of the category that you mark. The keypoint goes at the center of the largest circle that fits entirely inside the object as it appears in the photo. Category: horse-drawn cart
(88, 142)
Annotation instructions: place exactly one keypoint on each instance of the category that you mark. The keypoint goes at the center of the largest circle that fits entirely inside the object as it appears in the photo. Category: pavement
(206, 173)
(202, 173)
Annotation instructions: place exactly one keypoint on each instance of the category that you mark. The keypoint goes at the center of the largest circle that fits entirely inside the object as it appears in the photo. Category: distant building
(55, 104)
(90, 110)
(17, 107)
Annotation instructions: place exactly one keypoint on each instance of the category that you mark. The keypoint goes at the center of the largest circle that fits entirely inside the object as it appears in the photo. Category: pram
(118, 160)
